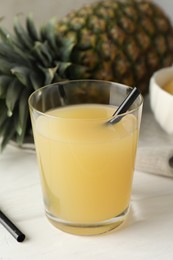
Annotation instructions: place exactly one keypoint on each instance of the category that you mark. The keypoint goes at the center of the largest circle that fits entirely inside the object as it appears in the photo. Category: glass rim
(83, 80)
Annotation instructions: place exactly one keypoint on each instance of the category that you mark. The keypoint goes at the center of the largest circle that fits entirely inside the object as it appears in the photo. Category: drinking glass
(86, 166)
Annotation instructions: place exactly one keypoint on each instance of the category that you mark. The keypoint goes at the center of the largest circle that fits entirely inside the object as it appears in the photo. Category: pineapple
(123, 41)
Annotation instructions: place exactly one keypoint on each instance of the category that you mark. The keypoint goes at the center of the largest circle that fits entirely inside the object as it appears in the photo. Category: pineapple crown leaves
(28, 61)
(80, 47)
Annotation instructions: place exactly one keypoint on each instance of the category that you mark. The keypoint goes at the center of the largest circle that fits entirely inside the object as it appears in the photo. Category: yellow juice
(169, 87)
(86, 167)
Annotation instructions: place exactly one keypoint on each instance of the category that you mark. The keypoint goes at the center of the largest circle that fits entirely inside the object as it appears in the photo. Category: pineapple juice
(86, 167)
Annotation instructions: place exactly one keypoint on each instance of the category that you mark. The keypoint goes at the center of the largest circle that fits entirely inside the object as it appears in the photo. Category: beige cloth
(155, 148)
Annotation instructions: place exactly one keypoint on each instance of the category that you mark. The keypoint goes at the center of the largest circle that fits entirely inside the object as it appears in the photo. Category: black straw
(125, 105)
(14, 231)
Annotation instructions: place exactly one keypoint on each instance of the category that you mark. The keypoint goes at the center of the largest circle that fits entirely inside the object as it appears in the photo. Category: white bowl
(160, 100)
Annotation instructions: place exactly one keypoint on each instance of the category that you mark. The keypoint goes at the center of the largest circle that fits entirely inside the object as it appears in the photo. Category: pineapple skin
(122, 41)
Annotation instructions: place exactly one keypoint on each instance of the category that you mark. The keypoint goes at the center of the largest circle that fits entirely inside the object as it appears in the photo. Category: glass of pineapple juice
(86, 166)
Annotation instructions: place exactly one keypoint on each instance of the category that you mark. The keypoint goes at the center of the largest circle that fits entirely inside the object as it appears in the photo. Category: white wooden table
(148, 233)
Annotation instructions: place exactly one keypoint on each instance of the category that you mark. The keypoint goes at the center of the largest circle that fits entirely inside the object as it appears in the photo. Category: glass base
(89, 228)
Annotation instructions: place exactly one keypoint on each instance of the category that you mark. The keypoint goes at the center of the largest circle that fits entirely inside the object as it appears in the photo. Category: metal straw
(14, 231)
(125, 105)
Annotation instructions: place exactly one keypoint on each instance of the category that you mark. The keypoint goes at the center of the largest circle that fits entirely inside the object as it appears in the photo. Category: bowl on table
(161, 98)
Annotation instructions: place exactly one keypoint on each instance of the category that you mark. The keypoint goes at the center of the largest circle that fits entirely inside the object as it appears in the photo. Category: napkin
(155, 147)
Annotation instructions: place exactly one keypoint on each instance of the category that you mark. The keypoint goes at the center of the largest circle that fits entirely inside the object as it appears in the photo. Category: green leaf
(3, 127)
(41, 51)
(7, 37)
(31, 28)
(49, 34)
(22, 35)
(9, 54)
(6, 66)
(2, 106)
(22, 56)
(3, 118)
(62, 67)
(13, 95)
(11, 50)
(49, 74)
(22, 74)
(3, 113)
(67, 48)
(4, 34)
(36, 80)
(4, 85)
(8, 131)
(23, 115)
